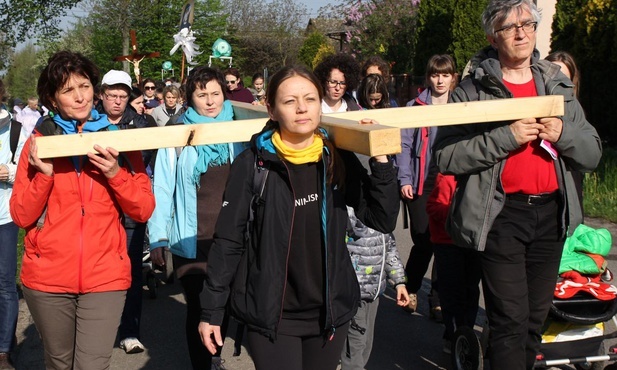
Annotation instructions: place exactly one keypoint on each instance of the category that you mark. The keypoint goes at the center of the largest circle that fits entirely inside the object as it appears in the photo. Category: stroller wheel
(151, 282)
(466, 351)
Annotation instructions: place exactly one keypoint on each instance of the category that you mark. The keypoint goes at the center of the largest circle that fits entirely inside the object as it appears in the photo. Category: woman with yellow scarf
(293, 281)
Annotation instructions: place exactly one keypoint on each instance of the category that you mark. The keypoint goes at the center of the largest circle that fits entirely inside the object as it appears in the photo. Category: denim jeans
(131, 315)
(9, 301)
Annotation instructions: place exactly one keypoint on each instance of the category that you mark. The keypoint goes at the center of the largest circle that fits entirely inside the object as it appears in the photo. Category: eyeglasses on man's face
(110, 97)
(231, 82)
(333, 83)
(511, 29)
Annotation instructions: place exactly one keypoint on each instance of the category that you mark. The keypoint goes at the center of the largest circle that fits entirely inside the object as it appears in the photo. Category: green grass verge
(600, 188)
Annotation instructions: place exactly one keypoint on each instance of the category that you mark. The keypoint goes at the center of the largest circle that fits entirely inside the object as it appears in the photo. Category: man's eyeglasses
(511, 30)
(149, 87)
(231, 82)
(333, 83)
(114, 97)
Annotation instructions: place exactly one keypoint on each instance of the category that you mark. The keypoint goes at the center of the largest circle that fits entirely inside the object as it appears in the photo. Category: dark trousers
(297, 353)
(422, 250)
(201, 358)
(9, 300)
(131, 315)
(520, 267)
(459, 285)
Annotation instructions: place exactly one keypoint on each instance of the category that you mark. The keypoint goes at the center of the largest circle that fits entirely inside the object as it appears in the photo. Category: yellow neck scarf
(312, 153)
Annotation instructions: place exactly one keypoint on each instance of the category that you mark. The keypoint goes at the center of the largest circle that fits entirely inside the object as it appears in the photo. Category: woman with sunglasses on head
(294, 284)
(339, 75)
(235, 88)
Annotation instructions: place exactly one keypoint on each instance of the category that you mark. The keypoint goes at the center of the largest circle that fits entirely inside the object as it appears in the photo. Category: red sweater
(529, 169)
(437, 207)
(81, 247)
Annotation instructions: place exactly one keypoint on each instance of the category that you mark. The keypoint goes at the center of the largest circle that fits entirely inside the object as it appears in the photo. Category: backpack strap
(47, 127)
(14, 138)
(260, 176)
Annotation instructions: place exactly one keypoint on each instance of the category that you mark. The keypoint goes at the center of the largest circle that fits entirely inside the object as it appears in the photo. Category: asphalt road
(402, 340)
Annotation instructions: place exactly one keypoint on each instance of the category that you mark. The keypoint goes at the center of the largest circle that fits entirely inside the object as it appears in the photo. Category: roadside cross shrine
(135, 57)
(343, 128)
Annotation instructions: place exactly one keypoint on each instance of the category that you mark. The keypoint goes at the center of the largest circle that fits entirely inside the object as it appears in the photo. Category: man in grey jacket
(516, 200)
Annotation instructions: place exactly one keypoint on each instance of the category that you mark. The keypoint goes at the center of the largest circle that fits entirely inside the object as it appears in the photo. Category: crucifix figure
(135, 57)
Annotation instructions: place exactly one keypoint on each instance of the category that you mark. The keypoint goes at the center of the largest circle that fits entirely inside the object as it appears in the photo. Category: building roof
(326, 25)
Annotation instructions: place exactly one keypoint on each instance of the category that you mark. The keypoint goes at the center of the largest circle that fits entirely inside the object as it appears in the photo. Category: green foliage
(21, 77)
(110, 22)
(310, 47)
(384, 28)
(449, 27)
(467, 33)
(564, 24)
(21, 20)
(77, 39)
(36, 21)
(599, 188)
(323, 51)
(588, 30)
(434, 31)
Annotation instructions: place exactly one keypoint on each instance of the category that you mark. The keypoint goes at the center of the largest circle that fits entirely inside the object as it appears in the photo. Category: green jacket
(579, 246)
(476, 153)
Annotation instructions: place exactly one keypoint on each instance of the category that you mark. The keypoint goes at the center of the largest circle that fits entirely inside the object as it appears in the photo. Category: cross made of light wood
(135, 57)
(343, 128)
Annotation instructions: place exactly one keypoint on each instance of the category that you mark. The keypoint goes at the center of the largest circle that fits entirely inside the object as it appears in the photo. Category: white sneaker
(131, 345)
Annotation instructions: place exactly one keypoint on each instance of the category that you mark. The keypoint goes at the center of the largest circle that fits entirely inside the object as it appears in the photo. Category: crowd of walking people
(287, 233)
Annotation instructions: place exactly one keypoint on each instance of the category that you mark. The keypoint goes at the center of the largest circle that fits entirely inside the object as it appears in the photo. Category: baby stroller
(583, 312)
(579, 324)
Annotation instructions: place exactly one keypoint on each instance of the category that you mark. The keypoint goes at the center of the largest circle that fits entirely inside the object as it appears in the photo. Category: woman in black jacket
(293, 281)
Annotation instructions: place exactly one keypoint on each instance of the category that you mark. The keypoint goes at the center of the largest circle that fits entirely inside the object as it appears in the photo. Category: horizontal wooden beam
(463, 113)
(343, 128)
(370, 140)
(345, 133)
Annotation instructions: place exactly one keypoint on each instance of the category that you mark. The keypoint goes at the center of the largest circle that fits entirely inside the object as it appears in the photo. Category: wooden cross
(135, 57)
(343, 128)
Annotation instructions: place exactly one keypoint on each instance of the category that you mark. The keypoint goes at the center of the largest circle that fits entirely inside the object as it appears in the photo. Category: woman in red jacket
(458, 268)
(75, 269)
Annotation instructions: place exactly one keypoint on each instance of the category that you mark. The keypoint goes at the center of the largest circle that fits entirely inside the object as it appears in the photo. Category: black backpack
(260, 176)
(14, 138)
